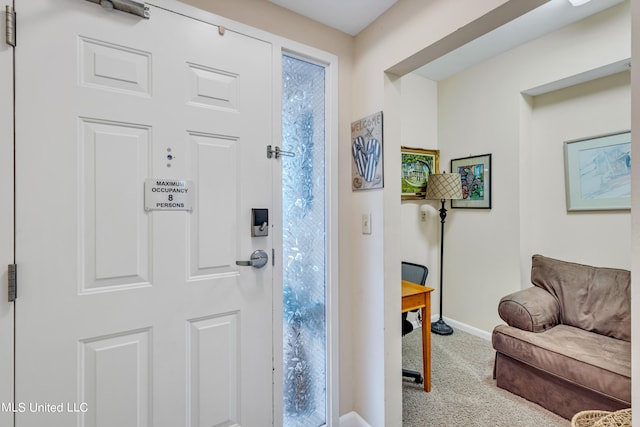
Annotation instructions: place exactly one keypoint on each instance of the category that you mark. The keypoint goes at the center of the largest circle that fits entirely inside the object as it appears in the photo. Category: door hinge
(12, 274)
(273, 257)
(10, 23)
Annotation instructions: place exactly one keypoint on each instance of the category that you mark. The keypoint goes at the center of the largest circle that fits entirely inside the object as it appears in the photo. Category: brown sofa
(567, 342)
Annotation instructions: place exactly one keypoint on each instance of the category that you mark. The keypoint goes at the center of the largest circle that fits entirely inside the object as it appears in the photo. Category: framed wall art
(475, 179)
(417, 164)
(366, 149)
(598, 172)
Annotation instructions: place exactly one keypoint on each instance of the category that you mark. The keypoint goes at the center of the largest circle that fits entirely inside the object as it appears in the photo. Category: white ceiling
(352, 16)
(547, 18)
(348, 16)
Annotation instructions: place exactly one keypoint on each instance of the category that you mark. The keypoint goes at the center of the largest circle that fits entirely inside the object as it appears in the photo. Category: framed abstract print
(475, 180)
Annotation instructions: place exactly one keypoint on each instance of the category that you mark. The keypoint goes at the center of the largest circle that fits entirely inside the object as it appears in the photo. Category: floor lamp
(443, 186)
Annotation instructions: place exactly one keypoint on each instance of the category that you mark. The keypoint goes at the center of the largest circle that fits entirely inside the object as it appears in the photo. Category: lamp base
(441, 328)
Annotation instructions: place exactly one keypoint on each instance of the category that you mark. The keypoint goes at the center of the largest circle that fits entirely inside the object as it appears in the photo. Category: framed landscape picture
(598, 172)
(417, 164)
(475, 179)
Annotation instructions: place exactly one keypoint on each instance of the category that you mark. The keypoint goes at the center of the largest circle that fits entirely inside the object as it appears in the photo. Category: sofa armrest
(532, 309)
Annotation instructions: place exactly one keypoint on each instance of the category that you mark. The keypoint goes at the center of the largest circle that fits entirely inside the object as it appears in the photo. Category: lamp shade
(443, 186)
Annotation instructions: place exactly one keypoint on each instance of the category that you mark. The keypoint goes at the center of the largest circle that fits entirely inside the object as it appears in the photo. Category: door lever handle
(258, 259)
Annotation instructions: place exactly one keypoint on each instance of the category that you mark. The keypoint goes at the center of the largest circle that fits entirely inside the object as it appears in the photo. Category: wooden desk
(415, 296)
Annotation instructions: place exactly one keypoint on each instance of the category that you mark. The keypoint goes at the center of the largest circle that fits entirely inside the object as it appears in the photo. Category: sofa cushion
(532, 309)
(591, 298)
(596, 362)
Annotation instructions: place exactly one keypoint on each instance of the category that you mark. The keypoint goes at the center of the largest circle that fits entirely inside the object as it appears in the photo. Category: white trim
(464, 327)
(278, 372)
(333, 290)
(330, 62)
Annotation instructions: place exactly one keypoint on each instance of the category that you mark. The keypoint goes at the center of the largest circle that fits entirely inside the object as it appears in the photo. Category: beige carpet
(463, 392)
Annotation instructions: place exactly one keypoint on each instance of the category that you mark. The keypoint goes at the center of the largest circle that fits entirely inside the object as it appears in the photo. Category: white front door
(127, 316)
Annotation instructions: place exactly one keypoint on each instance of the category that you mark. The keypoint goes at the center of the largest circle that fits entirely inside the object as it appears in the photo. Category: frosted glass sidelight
(304, 272)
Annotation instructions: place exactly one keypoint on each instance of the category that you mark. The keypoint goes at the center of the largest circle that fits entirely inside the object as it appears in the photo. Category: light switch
(366, 223)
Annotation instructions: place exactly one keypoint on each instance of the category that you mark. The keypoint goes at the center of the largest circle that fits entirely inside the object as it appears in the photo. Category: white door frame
(330, 62)
(6, 223)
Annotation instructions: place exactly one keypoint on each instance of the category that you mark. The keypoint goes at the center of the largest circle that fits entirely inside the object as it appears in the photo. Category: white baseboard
(352, 419)
(464, 327)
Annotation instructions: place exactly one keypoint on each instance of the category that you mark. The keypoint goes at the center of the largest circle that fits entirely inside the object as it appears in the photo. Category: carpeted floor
(463, 392)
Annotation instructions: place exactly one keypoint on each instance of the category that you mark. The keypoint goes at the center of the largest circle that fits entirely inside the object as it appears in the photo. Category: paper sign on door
(168, 195)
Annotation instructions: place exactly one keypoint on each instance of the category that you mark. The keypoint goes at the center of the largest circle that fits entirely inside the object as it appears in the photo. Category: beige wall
(481, 110)
(588, 109)
(419, 123)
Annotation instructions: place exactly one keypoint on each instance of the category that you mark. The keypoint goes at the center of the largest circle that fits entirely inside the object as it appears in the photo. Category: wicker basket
(621, 418)
(587, 418)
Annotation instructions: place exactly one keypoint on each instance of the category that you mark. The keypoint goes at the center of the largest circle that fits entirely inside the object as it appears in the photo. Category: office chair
(415, 273)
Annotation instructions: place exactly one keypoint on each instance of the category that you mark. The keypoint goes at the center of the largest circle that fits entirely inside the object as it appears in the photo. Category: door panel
(111, 67)
(214, 373)
(127, 316)
(213, 242)
(212, 88)
(113, 228)
(116, 387)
